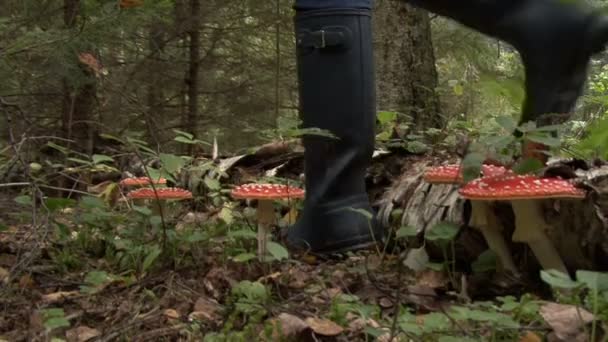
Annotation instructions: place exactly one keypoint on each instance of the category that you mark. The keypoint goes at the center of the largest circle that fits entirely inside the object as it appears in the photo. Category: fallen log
(579, 228)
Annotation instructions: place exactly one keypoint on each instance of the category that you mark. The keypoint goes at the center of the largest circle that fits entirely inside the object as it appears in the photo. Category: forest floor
(173, 303)
(352, 299)
(96, 274)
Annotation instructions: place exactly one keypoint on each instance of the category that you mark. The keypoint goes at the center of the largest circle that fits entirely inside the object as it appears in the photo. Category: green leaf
(528, 165)
(558, 279)
(442, 231)
(363, 213)
(111, 137)
(417, 147)
(406, 231)
(244, 257)
(3, 227)
(143, 210)
(385, 117)
(79, 161)
(485, 262)
(471, 166)
(90, 202)
(595, 281)
(97, 278)
(435, 266)
(152, 255)
(56, 322)
(100, 158)
(184, 140)
(212, 183)
(417, 259)
(171, 163)
(35, 167)
(196, 237)
(458, 89)
(545, 140)
(277, 251)
(243, 233)
(184, 134)
(507, 122)
(52, 312)
(55, 204)
(24, 200)
(226, 215)
(156, 220)
(59, 148)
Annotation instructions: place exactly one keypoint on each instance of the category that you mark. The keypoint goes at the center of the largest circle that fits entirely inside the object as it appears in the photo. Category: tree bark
(406, 73)
(155, 96)
(192, 81)
(78, 99)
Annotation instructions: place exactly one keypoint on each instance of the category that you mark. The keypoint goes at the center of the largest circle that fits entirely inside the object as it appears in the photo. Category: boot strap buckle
(325, 37)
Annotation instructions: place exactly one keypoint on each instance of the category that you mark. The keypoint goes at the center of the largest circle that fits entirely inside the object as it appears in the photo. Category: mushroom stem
(530, 228)
(483, 218)
(265, 214)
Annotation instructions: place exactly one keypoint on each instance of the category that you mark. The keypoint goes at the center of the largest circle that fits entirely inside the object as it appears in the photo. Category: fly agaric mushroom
(161, 195)
(141, 181)
(265, 194)
(525, 193)
(482, 216)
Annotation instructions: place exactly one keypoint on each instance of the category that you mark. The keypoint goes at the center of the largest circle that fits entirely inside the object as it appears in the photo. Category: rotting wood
(579, 227)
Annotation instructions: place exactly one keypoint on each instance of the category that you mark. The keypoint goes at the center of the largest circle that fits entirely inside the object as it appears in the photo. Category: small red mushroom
(265, 194)
(452, 173)
(141, 181)
(482, 215)
(160, 195)
(525, 193)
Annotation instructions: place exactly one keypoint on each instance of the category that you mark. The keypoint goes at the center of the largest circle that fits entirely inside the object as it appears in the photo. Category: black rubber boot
(337, 94)
(555, 39)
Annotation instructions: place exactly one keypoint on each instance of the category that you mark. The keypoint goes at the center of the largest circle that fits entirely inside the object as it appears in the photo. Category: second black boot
(337, 93)
(555, 39)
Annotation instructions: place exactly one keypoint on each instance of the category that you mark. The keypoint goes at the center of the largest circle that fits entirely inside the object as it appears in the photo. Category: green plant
(592, 286)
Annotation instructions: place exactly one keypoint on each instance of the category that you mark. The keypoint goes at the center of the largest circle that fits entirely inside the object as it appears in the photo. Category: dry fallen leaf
(298, 278)
(565, 320)
(357, 324)
(324, 327)
(206, 309)
(332, 293)
(432, 279)
(530, 337)
(56, 297)
(26, 282)
(171, 314)
(8, 260)
(287, 326)
(4, 275)
(81, 334)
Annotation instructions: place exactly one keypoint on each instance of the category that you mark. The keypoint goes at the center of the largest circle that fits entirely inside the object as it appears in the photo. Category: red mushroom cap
(445, 174)
(141, 181)
(514, 187)
(489, 170)
(452, 173)
(163, 193)
(266, 191)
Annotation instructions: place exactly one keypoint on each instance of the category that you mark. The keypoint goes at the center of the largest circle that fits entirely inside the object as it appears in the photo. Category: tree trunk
(78, 102)
(192, 81)
(155, 96)
(406, 74)
(79, 99)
